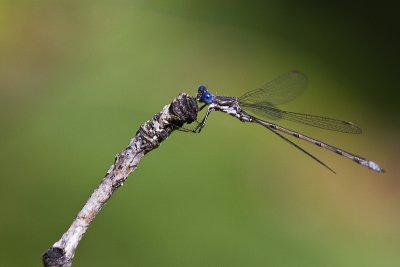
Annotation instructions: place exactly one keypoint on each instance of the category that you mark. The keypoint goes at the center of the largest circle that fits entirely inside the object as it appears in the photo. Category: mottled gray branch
(183, 109)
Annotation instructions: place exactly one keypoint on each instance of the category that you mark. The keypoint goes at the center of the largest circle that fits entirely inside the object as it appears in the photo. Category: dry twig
(183, 109)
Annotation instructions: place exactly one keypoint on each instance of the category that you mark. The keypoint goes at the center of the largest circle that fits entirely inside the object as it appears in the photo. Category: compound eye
(207, 97)
(202, 89)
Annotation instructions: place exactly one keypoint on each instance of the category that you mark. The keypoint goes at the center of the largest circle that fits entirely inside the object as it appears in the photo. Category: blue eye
(202, 89)
(207, 98)
(204, 96)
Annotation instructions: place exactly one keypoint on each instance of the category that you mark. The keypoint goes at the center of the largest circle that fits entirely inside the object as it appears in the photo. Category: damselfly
(262, 102)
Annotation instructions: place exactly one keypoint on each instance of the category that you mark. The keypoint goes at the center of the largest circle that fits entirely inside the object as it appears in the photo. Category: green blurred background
(77, 78)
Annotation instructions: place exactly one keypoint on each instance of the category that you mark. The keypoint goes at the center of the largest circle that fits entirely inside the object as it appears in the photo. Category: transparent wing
(265, 109)
(281, 90)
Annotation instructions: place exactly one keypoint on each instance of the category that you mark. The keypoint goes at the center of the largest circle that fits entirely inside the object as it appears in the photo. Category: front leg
(201, 108)
(196, 129)
(203, 122)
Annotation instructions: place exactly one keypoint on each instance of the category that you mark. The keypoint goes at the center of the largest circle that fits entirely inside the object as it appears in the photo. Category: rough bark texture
(183, 109)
